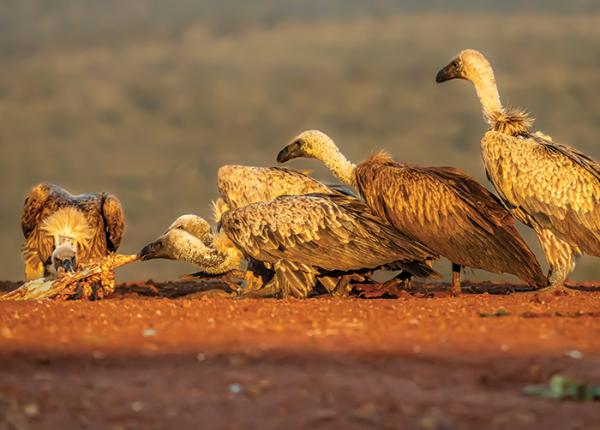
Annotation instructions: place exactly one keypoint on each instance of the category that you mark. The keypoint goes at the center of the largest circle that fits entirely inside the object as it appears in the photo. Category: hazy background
(148, 98)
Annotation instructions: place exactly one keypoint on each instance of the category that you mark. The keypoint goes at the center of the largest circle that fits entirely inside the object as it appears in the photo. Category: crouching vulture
(302, 239)
(62, 230)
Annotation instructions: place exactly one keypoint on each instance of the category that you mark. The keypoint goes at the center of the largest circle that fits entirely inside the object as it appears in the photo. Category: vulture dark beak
(68, 264)
(293, 150)
(152, 250)
(451, 71)
(64, 258)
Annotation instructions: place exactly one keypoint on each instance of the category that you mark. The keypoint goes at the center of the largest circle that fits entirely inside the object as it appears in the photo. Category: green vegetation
(563, 388)
(148, 100)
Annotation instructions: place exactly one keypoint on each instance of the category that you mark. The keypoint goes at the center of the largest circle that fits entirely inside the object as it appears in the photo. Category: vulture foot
(455, 286)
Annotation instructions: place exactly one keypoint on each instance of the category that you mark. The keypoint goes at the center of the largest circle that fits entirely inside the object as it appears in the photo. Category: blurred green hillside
(148, 99)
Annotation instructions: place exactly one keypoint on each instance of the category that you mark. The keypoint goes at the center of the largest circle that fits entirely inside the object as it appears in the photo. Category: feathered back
(448, 211)
(309, 233)
(69, 222)
(243, 185)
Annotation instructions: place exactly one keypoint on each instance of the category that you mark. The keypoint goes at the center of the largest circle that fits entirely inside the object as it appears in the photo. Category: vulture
(62, 230)
(441, 207)
(242, 185)
(302, 239)
(552, 188)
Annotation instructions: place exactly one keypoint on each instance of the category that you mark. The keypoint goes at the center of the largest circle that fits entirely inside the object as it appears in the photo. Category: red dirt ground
(167, 357)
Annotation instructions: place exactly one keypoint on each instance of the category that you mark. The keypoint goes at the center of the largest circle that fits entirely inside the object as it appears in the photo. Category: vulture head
(316, 144)
(468, 64)
(64, 259)
(309, 144)
(70, 233)
(190, 238)
(186, 233)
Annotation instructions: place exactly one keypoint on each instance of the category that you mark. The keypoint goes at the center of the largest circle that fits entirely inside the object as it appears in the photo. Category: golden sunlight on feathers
(69, 222)
(49, 209)
(553, 188)
(303, 237)
(442, 207)
(242, 185)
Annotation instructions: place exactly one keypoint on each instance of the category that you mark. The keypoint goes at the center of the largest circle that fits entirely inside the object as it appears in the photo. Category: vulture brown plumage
(301, 238)
(443, 208)
(68, 229)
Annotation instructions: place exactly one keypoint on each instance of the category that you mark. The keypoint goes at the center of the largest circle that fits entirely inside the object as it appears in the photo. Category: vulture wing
(330, 232)
(114, 221)
(450, 212)
(551, 185)
(43, 200)
(242, 185)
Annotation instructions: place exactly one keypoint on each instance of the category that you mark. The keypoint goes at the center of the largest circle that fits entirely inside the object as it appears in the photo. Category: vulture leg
(455, 288)
(406, 278)
(344, 286)
(559, 255)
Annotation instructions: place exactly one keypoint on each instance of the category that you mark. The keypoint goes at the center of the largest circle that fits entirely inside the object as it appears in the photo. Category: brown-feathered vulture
(552, 188)
(301, 238)
(63, 230)
(443, 208)
(242, 185)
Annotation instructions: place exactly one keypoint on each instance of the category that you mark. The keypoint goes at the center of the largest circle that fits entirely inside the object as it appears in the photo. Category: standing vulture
(242, 185)
(301, 238)
(63, 230)
(552, 188)
(442, 207)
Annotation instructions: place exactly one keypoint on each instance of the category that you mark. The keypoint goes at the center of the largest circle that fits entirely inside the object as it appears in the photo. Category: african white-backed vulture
(64, 230)
(242, 185)
(552, 188)
(442, 207)
(301, 238)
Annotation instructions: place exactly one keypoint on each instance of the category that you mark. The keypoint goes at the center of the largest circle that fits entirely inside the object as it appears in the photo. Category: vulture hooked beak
(451, 71)
(64, 259)
(154, 249)
(68, 264)
(293, 150)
